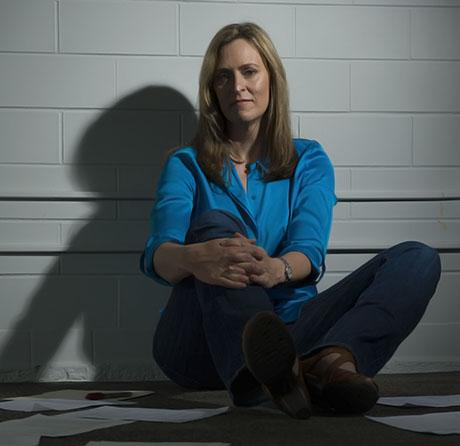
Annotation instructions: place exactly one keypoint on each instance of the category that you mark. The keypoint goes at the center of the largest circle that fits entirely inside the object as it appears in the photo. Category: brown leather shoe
(341, 390)
(271, 357)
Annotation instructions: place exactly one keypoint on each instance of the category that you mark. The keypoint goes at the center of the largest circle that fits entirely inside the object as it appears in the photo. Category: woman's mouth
(242, 102)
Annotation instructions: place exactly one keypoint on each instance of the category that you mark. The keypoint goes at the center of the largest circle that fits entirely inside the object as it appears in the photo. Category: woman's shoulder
(181, 157)
(305, 146)
(312, 155)
(183, 150)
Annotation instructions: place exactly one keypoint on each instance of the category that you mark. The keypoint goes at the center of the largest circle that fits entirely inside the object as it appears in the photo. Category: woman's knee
(418, 258)
(423, 259)
(429, 253)
(430, 256)
(423, 250)
(212, 224)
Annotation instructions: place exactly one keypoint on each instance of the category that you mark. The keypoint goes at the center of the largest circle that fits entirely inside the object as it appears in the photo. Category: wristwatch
(287, 269)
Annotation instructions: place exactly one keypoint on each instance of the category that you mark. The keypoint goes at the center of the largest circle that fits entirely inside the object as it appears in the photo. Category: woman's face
(241, 83)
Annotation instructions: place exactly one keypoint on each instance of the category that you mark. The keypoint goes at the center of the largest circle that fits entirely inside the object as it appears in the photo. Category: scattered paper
(78, 394)
(68, 399)
(27, 431)
(426, 401)
(148, 414)
(36, 405)
(140, 443)
(441, 423)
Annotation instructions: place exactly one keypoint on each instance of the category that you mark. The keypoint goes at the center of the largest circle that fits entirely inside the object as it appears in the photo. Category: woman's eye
(221, 78)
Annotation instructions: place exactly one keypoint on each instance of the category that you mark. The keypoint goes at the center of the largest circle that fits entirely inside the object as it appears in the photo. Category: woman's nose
(239, 82)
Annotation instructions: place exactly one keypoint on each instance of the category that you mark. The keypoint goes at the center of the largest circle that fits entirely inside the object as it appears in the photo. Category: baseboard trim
(420, 366)
(151, 372)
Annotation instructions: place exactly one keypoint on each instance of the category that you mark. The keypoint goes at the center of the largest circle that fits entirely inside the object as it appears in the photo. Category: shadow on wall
(93, 295)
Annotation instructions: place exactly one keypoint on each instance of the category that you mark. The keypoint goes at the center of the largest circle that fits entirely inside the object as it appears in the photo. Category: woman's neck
(246, 144)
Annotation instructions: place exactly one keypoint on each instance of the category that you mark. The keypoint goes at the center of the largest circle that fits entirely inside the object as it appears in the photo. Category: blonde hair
(211, 142)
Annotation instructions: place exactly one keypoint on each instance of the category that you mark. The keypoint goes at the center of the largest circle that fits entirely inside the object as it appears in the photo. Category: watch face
(287, 269)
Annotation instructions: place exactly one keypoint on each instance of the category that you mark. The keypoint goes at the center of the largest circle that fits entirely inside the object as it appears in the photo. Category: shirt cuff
(146, 261)
(317, 269)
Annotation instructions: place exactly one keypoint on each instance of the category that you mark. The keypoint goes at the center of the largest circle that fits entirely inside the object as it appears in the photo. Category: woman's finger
(255, 279)
(231, 284)
(258, 252)
(237, 269)
(232, 242)
(237, 281)
(248, 268)
(239, 257)
(239, 235)
(237, 242)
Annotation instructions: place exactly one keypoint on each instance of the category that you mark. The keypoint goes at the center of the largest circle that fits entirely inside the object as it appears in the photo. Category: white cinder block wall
(93, 92)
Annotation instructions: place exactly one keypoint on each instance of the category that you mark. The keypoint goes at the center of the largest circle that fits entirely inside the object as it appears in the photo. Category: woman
(240, 228)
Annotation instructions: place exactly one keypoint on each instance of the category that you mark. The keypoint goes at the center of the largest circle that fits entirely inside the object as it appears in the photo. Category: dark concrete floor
(261, 425)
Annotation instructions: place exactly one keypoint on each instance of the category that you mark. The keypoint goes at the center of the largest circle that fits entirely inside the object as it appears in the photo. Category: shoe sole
(271, 357)
(350, 397)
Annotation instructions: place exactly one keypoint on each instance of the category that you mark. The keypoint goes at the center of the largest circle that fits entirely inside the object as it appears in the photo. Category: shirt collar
(263, 164)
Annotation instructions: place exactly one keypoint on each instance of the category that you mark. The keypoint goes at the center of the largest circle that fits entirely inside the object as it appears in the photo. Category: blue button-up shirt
(292, 214)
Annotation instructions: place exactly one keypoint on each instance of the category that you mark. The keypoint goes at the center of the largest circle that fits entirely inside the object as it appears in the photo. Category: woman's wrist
(278, 270)
(189, 253)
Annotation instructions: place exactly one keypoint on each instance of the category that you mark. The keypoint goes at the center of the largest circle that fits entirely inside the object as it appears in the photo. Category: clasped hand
(235, 263)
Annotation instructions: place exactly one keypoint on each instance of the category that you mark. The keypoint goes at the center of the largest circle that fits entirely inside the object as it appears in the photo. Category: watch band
(287, 269)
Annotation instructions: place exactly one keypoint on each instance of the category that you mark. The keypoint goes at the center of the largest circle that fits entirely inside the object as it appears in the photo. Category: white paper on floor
(27, 431)
(80, 394)
(441, 423)
(36, 405)
(425, 400)
(149, 414)
(140, 443)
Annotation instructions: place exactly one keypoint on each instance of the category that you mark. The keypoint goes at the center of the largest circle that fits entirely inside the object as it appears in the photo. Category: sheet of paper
(441, 423)
(78, 394)
(425, 400)
(27, 431)
(148, 414)
(140, 443)
(36, 405)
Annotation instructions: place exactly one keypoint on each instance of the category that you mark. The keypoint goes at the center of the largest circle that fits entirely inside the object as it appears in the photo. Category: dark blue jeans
(371, 311)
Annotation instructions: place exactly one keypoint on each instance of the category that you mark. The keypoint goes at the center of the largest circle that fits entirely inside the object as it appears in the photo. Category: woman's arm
(311, 215)
(269, 271)
(170, 262)
(300, 263)
(210, 262)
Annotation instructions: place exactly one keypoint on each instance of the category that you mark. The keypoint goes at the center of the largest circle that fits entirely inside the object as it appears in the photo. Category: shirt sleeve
(313, 201)
(171, 212)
